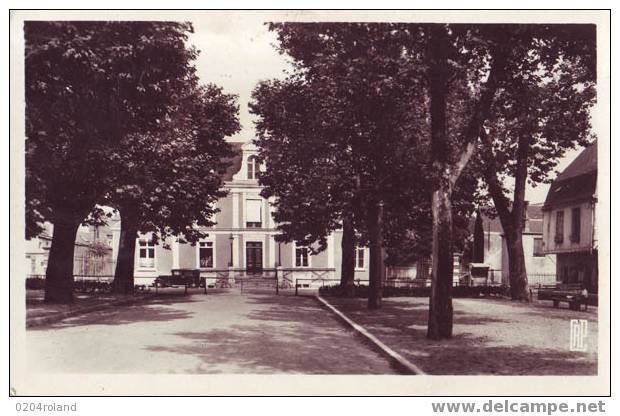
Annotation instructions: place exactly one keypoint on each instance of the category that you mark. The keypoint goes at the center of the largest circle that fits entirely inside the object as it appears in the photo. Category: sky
(237, 51)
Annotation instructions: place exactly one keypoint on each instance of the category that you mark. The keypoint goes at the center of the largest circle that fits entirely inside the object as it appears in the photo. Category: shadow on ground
(282, 335)
(158, 308)
(476, 347)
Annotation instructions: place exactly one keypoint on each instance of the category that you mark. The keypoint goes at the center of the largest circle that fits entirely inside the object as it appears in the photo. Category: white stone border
(392, 355)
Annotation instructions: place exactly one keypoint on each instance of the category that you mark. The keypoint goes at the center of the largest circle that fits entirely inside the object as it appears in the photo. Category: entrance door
(254, 257)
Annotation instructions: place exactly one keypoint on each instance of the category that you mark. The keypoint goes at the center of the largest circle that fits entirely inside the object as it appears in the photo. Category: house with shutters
(242, 242)
(569, 221)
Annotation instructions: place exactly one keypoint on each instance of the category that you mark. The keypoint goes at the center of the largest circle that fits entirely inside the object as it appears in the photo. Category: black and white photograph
(254, 202)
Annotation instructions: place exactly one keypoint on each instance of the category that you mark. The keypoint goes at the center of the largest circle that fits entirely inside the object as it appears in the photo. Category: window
(575, 225)
(205, 254)
(146, 253)
(253, 218)
(359, 258)
(559, 227)
(252, 167)
(538, 247)
(301, 257)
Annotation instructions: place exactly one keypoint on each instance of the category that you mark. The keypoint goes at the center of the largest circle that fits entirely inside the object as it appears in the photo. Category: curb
(49, 319)
(400, 362)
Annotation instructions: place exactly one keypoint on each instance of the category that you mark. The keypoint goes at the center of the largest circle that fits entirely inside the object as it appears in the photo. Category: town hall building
(242, 242)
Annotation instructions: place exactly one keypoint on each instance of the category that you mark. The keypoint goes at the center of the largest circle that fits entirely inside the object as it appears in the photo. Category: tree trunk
(347, 271)
(440, 303)
(59, 273)
(440, 307)
(517, 272)
(513, 220)
(376, 266)
(123, 274)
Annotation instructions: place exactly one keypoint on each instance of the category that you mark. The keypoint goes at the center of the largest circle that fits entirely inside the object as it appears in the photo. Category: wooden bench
(569, 293)
(185, 278)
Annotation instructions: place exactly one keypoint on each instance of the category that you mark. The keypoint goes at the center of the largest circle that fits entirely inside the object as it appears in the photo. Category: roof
(534, 218)
(584, 163)
(494, 225)
(534, 211)
(235, 161)
(577, 182)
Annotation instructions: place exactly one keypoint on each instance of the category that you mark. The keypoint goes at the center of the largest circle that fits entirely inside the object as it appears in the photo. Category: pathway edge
(402, 362)
(39, 321)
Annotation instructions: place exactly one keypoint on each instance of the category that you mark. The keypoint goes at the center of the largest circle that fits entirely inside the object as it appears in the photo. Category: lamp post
(278, 265)
(279, 252)
(232, 239)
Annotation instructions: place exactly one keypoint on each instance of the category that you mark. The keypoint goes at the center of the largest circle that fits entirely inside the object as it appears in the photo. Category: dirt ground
(229, 333)
(491, 336)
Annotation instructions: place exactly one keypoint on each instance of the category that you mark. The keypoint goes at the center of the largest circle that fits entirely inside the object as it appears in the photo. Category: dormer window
(252, 167)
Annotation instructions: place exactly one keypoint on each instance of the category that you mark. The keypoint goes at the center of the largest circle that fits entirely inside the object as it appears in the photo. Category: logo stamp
(578, 335)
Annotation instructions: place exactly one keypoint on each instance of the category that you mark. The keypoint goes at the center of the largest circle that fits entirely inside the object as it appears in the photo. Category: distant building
(569, 221)
(540, 266)
(92, 253)
(242, 243)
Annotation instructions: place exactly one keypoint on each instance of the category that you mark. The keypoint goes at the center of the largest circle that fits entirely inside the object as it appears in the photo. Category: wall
(549, 231)
(493, 250)
(224, 217)
(539, 269)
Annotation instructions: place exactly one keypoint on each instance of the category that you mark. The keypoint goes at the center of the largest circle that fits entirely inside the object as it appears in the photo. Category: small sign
(578, 335)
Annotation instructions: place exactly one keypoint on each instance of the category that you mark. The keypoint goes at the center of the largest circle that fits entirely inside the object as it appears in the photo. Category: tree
(471, 71)
(364, 105)
(156, 176)
(88, 85)
(313, 189)
(461, 92)
(543, 111)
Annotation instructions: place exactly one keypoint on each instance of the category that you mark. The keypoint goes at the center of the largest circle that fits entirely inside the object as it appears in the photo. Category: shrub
(390, 291)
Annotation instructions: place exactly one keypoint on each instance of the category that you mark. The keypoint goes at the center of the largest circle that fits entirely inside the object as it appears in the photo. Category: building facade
(569, 221)
(540, 266)
(242, 242)
(92, 258)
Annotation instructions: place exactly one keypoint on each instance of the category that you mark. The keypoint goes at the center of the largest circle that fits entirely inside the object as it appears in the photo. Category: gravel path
(491, 336)
(218, 333)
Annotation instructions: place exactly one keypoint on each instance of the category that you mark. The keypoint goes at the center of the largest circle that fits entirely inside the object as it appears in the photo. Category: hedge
(390, 291)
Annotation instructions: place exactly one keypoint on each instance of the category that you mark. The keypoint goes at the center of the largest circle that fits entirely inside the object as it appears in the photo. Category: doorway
(254, 257)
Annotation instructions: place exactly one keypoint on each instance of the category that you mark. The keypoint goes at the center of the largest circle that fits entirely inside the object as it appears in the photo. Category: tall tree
(471, 69)
(365, 104)
(465, 66)
(313, 189)
(167, 184)
(88, 85)
(541, 113)
(363, 107)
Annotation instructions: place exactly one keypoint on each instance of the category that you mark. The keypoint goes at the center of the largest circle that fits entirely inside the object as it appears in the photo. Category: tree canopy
(88, 85)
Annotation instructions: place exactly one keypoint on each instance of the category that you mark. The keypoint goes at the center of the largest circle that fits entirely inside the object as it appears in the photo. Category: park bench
(572, 294)
(185, 278)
